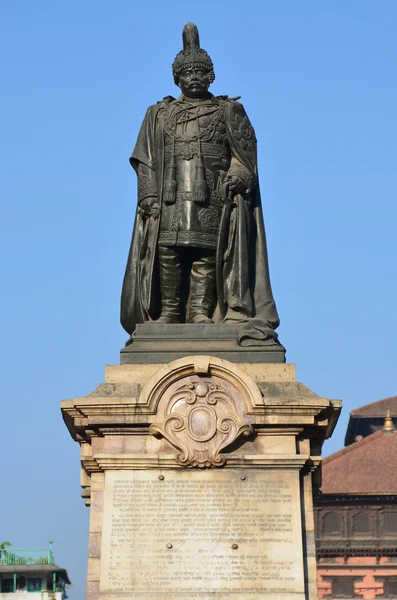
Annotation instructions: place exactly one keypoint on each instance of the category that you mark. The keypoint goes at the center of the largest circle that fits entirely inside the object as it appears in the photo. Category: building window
(341, 587)
(6, 585)
(361, 524)
(34, 584)
(390, 522)
(390, 587)
(331, 524)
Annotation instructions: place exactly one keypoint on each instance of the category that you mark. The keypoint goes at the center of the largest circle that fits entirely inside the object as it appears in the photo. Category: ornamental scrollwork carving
(200, 419)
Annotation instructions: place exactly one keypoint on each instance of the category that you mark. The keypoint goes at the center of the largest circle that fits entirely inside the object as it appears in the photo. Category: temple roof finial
(388, 427)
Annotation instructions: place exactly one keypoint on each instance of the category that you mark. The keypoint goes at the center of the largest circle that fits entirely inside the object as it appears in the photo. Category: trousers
(195, 265)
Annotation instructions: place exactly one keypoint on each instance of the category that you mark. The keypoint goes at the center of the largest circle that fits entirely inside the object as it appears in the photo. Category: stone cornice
(104, 462)
(280, 404)
(101, 413)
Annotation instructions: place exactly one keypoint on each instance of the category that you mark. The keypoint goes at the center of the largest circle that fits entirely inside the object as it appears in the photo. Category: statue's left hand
(236, 185)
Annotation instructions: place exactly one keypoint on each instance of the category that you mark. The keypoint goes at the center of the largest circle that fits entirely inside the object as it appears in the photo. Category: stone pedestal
(199, 475)
(153, 342)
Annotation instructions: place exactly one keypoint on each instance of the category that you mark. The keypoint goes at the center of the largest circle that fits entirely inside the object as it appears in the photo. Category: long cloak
(246, 281)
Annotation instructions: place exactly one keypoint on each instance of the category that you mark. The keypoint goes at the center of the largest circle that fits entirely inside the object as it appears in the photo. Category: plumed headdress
(192, 55)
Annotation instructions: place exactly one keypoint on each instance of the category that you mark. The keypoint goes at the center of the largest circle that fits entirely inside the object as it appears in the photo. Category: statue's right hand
(155, 210)
(150, 207)
(146, 204)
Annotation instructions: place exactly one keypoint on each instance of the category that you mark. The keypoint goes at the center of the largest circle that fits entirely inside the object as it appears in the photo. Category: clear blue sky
(318, 79)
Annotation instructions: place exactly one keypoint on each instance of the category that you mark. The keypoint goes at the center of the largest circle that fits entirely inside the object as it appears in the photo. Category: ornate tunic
(195, 146)
(195, 137)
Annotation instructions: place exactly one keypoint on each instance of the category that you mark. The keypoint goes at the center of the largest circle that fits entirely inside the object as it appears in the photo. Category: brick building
(356, 516)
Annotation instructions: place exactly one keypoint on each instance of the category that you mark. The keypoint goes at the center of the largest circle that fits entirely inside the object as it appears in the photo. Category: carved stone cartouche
(200, 418)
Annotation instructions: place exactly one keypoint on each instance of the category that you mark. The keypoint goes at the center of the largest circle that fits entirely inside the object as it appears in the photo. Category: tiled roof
(377, 409)
(365, 467)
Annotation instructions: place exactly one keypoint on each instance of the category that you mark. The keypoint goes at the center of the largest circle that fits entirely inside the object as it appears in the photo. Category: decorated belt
(188, 150)
(214, 197)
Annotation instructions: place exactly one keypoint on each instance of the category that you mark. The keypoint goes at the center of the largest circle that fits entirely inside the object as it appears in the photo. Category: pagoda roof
(365, 467)
(367, 419)
(377, 409)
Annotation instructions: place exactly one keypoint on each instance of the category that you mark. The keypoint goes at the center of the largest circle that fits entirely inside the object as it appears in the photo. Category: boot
(170, 285)
(202, 287)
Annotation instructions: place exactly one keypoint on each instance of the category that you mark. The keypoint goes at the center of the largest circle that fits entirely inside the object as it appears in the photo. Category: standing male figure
(191, 153)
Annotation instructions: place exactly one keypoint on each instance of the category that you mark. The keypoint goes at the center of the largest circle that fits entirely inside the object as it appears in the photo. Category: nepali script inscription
(175, 534)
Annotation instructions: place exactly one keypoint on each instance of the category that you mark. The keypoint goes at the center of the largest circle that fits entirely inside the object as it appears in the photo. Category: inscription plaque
(227, 534)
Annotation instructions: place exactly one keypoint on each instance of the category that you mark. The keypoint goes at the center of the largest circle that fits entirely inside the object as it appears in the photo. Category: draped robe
(245, 271)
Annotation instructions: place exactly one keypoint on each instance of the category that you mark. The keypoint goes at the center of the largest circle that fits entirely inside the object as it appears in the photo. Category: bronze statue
(198, 251)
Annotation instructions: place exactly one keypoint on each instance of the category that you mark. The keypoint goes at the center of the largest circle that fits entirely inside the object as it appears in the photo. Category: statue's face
(194, 82)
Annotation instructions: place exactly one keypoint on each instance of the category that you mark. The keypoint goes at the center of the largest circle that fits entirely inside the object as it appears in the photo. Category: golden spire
(388, 427)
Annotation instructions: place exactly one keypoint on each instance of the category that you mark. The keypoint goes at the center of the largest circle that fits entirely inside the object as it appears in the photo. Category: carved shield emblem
(200, 419)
